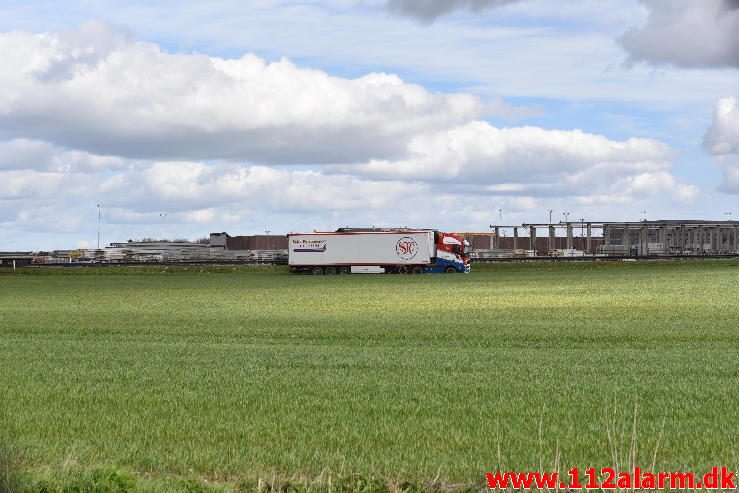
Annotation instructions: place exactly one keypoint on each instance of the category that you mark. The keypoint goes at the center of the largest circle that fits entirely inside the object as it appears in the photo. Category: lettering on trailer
(308, 246)
(406, 248)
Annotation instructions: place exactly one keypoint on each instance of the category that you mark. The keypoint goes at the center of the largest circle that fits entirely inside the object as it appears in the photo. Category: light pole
(550, 215)
(567, 216)
(98, 227)
(500, 215)
(644, 215)
(728, 215)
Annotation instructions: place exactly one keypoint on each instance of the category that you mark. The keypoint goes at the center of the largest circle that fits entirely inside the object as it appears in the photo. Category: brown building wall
(257, 242)
(481, 242)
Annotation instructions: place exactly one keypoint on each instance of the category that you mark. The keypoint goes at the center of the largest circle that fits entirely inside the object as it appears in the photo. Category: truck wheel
(402, 270)
(450, 270)
(417, 270)
(330, 271)
(316, 271)
(345, 270)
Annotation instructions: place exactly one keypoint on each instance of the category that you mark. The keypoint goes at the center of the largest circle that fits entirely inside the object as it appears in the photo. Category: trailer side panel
(395, 248)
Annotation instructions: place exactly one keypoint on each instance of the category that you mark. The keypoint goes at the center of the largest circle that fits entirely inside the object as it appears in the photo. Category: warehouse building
(670, 238)
(624, 239)
(16, 259)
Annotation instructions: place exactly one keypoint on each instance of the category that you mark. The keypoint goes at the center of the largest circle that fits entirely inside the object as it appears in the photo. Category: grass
(243, 378)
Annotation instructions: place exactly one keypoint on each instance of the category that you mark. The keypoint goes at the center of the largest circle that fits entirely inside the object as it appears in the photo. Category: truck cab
(451, 254)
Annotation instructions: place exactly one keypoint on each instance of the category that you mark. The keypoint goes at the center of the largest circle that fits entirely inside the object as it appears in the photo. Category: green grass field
(240, 377)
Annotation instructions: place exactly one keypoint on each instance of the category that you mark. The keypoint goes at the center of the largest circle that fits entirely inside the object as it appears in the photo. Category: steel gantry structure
(647, 238)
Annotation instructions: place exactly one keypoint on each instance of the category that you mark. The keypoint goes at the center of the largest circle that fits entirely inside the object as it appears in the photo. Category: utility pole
(98, 227)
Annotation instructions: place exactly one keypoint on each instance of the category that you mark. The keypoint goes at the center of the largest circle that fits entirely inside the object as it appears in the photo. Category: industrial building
(611, 239)
(646, 238)
(15, 259)
(220, 247)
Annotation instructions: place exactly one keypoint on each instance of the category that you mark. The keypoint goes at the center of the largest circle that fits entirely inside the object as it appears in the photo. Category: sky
(180, 118)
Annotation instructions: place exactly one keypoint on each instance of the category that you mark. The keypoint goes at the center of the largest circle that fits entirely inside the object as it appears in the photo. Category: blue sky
(244, 116)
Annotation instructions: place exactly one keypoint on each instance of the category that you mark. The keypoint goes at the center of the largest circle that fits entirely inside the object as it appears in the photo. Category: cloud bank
(89, 116)
(533, 161)
(96, 90)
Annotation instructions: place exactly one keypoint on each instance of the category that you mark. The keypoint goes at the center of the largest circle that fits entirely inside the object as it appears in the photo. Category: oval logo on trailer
(406, 248)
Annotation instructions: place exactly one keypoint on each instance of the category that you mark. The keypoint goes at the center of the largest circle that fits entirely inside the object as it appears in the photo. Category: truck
(377, 251)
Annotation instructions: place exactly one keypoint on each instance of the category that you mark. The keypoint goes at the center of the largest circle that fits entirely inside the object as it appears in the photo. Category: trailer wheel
(417, 270)
(345, 270)
(450, 270)
(316, 271)
(402, 270)
(330, 271)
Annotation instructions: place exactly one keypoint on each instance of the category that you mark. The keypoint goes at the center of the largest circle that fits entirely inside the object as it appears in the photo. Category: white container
(370, 249)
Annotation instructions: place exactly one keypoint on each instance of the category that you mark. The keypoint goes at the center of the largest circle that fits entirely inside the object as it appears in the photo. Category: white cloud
(528, 161)
(24, 154)
(723, 136)
(198, 198)
(689, 33)
(95, 90)
(722, 140)
(49, 218)
(657, 183)
(191, 186)
(474, 160)
(32, 184)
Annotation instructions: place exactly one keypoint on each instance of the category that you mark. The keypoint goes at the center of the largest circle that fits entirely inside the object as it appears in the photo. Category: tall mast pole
(98, 227)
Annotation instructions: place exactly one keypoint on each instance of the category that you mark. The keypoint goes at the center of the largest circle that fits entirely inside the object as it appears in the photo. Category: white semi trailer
(355, 251)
